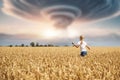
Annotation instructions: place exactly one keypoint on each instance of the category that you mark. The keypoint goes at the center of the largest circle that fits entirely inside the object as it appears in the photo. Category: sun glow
(72, 33)
(50, 34)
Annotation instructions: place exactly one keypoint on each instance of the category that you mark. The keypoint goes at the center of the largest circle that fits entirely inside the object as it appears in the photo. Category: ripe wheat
(59, 63)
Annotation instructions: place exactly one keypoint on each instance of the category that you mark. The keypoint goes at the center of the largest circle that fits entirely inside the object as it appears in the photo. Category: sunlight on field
(59, 63)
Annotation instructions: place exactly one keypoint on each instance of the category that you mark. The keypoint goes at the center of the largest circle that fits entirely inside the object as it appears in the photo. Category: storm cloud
(62, 13)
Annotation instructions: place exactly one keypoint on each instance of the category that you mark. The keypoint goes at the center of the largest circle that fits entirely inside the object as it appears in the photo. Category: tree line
(33, 44)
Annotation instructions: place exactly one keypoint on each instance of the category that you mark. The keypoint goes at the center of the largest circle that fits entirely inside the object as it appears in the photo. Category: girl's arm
(88, 47)
(75, 45)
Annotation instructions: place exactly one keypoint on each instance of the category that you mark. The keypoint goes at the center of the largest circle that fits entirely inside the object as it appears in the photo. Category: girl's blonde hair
(81, 37)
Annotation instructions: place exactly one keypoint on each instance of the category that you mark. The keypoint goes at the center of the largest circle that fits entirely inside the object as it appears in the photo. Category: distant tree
(45, 45)
(16, 45)
(26, 45)
(41, 45)
(50, 45)
(10, 45)
(22, 45)
(32, 44)
(37, 44)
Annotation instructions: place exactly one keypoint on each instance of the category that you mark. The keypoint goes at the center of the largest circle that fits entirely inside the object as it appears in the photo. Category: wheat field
(59, 63)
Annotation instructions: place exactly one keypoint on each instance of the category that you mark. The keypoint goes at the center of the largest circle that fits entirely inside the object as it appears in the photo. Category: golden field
(59, 63)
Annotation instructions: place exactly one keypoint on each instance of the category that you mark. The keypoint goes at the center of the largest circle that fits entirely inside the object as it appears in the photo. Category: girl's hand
(72, 43)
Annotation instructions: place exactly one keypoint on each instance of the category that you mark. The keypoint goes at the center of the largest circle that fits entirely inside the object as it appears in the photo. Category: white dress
(82, 45)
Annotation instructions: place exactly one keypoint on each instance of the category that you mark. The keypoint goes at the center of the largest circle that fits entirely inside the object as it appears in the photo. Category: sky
(60, 22)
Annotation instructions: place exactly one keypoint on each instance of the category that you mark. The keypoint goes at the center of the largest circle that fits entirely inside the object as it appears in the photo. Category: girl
(82, 45)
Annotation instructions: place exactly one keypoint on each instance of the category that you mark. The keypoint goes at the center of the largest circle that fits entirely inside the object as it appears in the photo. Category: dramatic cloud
(62, 13)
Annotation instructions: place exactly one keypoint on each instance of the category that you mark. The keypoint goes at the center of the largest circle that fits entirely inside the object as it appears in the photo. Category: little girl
(82, 45)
